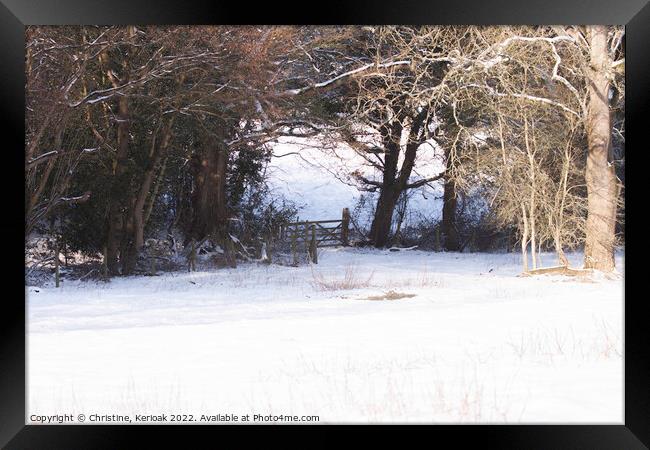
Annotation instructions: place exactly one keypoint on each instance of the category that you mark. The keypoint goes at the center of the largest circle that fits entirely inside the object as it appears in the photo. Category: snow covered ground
(469, 341)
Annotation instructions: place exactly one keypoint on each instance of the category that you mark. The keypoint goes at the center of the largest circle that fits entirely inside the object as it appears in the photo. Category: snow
(457, 338)
(476, 343)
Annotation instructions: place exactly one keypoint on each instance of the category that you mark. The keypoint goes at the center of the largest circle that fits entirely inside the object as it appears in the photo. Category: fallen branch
(402, 249)
(558, 270)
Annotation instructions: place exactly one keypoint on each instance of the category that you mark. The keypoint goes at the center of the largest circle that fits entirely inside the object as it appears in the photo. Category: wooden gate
(312, 234)
(326, 233)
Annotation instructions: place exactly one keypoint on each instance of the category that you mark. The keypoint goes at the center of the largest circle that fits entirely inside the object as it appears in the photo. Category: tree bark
(524, 238)
(393, 184)
(154, 193)
(600, 173)
(209, 208)
(128, 254)
(118, 203)
(388, 192)
(139, 222)
(116, 210)
(557, 223)
(381, 223)
(448, 226)
(532, 208)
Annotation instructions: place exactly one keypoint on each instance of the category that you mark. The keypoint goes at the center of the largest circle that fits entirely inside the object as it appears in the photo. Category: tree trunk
(381, 223)
(532, 209)
(394, 184)
(556, 220)
(116, 219)
(524, 238)
(138, 217)
(448, 225)
(562, 259)
(533, 231)
(154, 193)
(128, 251)
(388, 192)
(600, 173)
(209, 196)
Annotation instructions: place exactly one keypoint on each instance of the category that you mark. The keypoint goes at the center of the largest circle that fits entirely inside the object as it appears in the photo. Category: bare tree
(568, 69)
(602, 183)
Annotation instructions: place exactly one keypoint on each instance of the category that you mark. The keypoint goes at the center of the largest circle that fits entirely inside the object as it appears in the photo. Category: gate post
(313, 248)
(192, 264)
(294, 233)
(345, 227)
(105, 263)
(57, 275)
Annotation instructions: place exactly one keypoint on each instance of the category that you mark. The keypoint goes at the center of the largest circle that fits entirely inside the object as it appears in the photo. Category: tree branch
(424, 181)
(363, 68)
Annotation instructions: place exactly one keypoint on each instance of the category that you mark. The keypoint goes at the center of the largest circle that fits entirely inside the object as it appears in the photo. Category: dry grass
(423, 279)
(390, 295)
(350, 280)
(604, 343)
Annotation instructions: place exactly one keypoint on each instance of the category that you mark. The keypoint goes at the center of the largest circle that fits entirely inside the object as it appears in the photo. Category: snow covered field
(468, 341)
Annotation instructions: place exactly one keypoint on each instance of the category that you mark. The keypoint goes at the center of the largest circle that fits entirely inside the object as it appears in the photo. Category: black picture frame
(15, 14)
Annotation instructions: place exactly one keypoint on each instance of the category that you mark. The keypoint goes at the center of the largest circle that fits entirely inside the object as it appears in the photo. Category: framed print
(388, 214)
